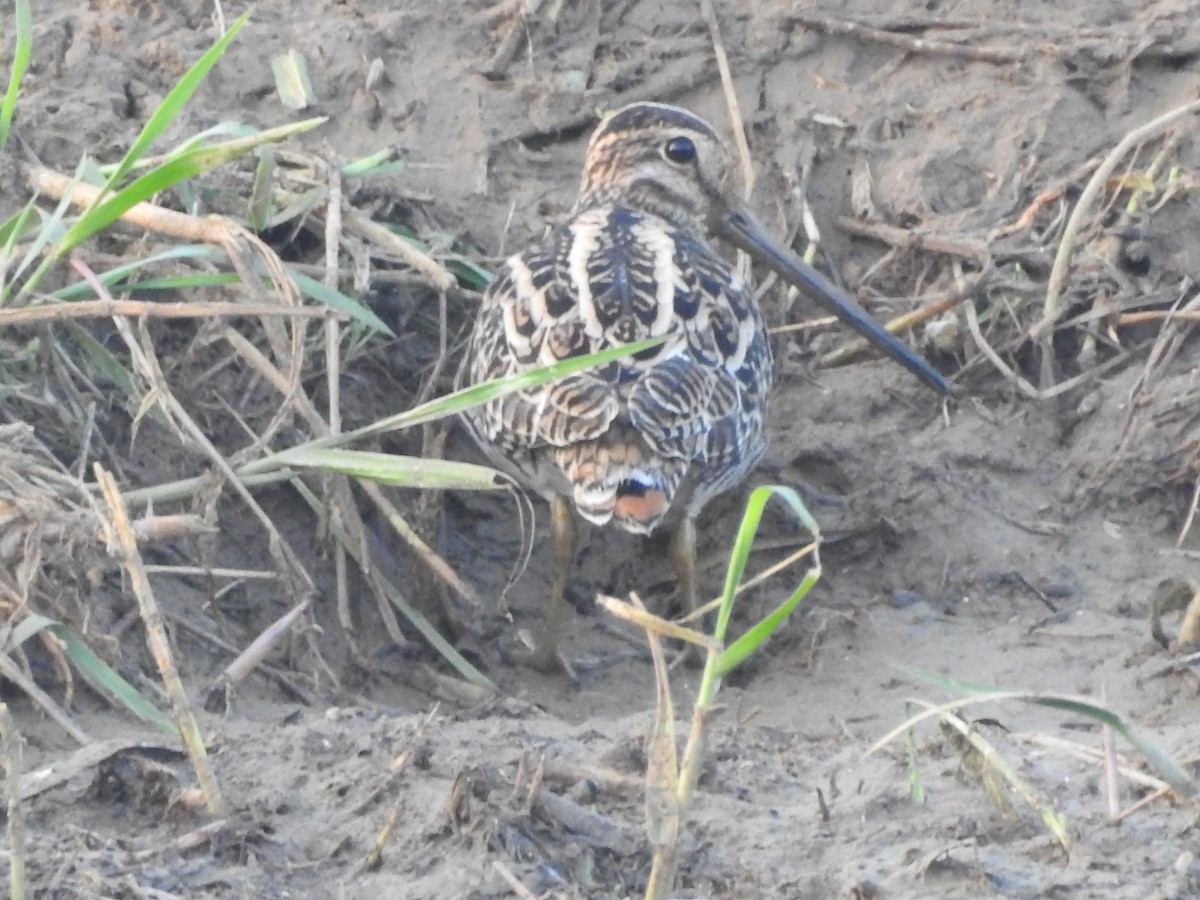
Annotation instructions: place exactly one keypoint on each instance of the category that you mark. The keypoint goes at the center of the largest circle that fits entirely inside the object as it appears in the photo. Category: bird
(649, 439)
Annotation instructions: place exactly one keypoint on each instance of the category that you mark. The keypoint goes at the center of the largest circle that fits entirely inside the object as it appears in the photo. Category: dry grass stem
(736, 122)
(10, 756)
(194, 229)
(513, 882)
(910, 44)
(400, 763)
(350, 517)
(137, 309)
(122, 539)
(1017, 380)
(519, 14)
(655, 625)
(357, 223)
(250, 658)
(1092, 756)
(29, 687)
(990, 760)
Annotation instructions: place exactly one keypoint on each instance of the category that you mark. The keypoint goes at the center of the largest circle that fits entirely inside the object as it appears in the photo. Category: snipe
(660, 433)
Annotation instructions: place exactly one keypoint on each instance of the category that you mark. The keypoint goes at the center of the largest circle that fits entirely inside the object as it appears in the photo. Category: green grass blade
(105, 211)
(404, 471)
(21, 55)
(99, 674)
(192, 142)
(12, 231)
(175, 101)
(104, 360)
(451, 404)
(152, 285)
(473, 276)
(115, 278)
(50, 230)
(745, 540)
(355, 309)
(168, 175)
(261, 205)
(749, 643)
(378, 163)
(15, 226)
(413, 615)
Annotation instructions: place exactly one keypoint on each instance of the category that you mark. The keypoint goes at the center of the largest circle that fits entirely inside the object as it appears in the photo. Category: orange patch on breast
(645, 507)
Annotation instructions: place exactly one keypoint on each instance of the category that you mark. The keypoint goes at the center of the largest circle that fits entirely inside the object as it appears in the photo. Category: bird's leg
(683, 558)
(562, 533)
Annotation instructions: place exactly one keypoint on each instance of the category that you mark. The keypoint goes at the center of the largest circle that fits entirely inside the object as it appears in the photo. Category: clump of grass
(1000, 778)
(671, 780)
(36, 241)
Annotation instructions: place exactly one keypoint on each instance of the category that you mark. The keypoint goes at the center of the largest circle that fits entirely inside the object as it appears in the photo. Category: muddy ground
(996, 539)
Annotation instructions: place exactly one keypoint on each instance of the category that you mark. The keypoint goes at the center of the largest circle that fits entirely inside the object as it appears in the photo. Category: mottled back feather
(666, 429)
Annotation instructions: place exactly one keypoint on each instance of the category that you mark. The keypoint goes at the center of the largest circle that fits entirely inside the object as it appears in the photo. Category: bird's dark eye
(679, 150)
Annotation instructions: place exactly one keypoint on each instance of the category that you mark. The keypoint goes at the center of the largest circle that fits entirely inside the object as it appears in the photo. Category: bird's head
(661, 160)
(668, 162)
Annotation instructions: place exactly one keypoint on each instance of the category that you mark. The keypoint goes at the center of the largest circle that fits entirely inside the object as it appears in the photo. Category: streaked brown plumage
(662, 432)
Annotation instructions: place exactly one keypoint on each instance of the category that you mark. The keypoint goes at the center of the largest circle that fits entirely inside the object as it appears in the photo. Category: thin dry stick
(1052, 305)
(510, 43)
(333, 375)
(787, 562)
(137, 309)
(906, 239)
(665, 804)
(514, 883)
(225, 233)
(1112, 778)
(359, 224)
(122, 537)
(909, 43)
(1186, 529)
(1053, 820)
(1091, 756)
(252, 657)
(900, 238)
(10, 756)
(237, 574)
(731, 101)
(986, 349)
(1156, 315)
(1142, 803)
(13, 673)
(427, 554)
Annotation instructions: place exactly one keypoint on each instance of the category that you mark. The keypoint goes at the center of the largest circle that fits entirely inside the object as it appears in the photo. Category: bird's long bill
(743, 231)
